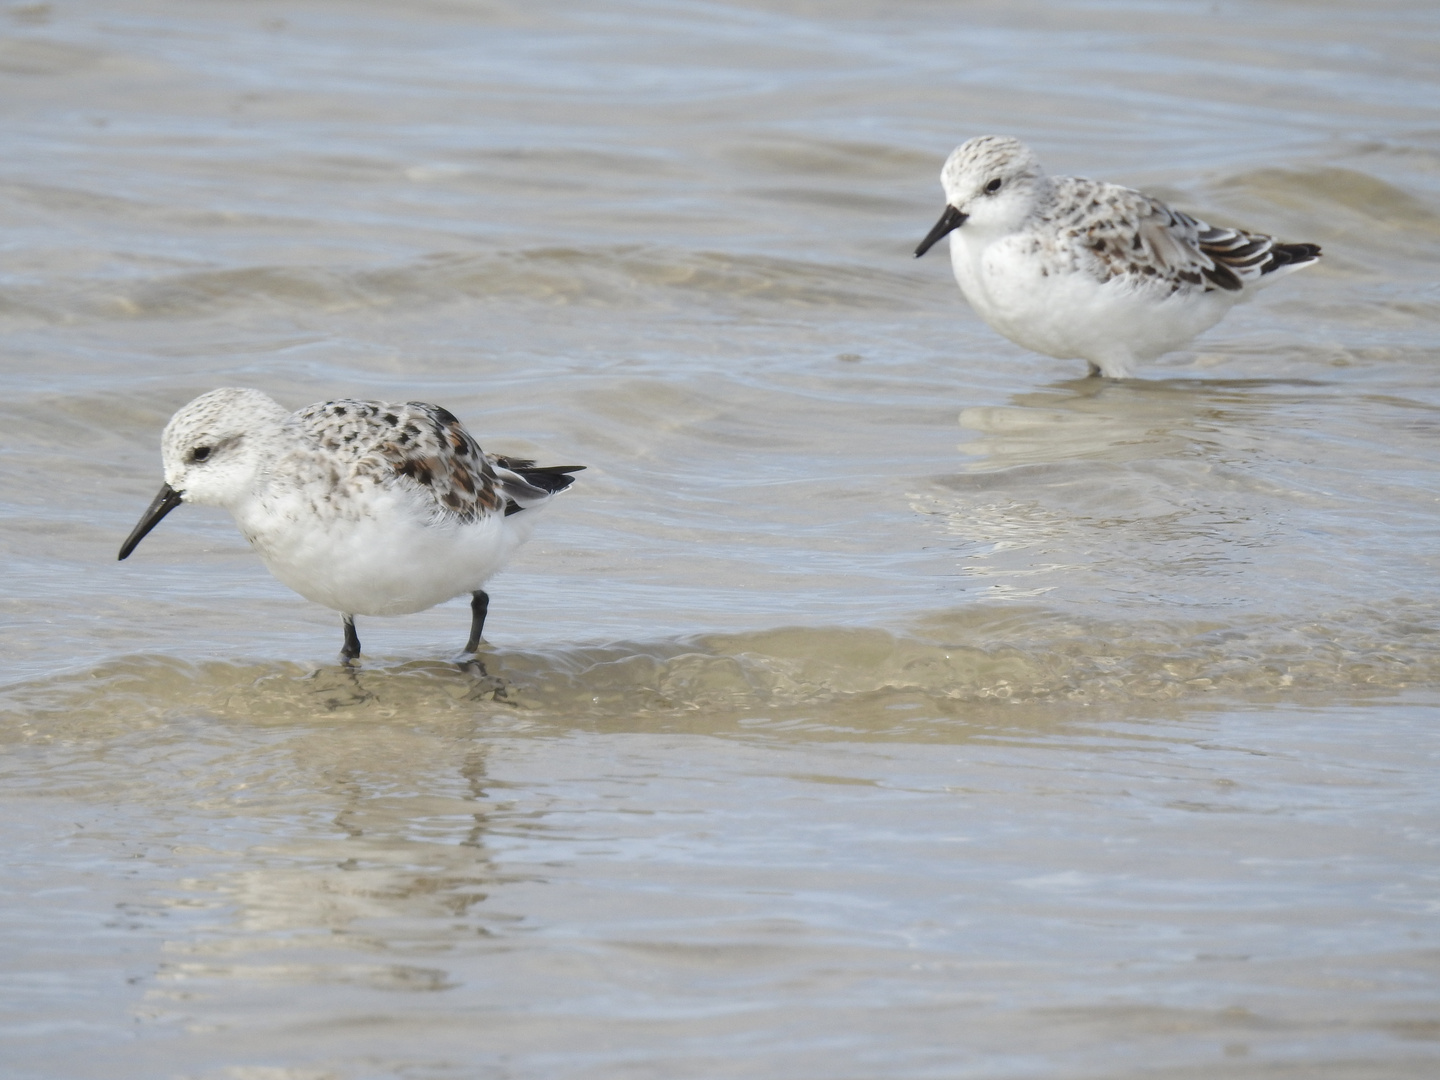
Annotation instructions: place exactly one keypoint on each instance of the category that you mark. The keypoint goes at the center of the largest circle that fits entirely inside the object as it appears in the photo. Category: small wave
(50, 58)
(861, 681)
(1328, 189)
(1361, 220)
(624, 276)
(829, 159)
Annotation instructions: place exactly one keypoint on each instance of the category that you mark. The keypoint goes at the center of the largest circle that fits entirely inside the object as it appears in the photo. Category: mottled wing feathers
(1129, 235)
(418, 445)
(425, 448)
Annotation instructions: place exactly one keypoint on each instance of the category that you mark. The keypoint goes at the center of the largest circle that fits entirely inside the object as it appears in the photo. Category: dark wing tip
(1292, 255)
(1236, 255)
(543, 478)
(551, 478)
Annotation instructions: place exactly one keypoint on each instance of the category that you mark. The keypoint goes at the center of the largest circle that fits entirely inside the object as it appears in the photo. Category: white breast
(1046, 304)
(387, 559)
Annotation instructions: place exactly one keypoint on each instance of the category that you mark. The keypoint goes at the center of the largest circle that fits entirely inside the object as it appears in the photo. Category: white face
(993, 180)
(214, 446)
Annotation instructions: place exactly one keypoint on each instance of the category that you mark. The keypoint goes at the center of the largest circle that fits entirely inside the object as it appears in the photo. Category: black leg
(351, 651)
(479, 605)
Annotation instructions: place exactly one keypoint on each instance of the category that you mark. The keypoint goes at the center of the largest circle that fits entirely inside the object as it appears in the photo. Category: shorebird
(366, 507)
(1077, 268)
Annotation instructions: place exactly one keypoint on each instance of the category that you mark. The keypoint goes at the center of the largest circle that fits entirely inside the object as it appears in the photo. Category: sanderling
(365, 507)
(1078, 268)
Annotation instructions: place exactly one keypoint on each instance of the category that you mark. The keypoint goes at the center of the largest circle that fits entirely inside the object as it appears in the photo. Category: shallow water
(819, 735)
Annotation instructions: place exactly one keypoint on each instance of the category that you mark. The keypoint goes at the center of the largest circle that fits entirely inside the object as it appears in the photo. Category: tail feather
(551, 478)
(535, 482)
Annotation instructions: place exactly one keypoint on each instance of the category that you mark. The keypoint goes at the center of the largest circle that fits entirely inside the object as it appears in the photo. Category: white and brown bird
(1077, 268)
(362, 506)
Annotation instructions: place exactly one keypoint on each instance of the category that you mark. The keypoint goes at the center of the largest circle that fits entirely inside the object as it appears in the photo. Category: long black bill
(166, 501)
(949, 221)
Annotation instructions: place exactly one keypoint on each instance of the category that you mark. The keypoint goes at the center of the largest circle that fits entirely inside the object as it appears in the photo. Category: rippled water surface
(883, 702)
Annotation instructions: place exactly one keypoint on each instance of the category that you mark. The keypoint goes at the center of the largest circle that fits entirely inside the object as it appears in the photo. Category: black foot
(351, 649)
(479, 605)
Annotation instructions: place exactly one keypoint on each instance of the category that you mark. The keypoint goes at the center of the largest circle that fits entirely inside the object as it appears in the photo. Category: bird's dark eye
(200, 453)
(993, 186)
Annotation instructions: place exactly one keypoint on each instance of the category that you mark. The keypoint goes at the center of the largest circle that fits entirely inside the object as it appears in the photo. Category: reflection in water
(1212, 496)
(374, 892)
(387, 853)
(1225, 421)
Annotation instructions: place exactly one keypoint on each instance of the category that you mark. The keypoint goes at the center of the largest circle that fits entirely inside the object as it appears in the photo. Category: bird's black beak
(949, 221)
(166, 501)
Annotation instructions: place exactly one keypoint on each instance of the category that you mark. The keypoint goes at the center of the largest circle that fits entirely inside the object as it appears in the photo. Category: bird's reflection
(371, 835)
(1126, 420)
(1123, 492)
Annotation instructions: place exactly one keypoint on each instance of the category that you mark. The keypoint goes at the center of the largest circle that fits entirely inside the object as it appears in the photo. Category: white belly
(383, 563)
(1113, 324)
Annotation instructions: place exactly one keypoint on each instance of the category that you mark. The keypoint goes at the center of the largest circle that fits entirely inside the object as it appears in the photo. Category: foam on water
(952, 669)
